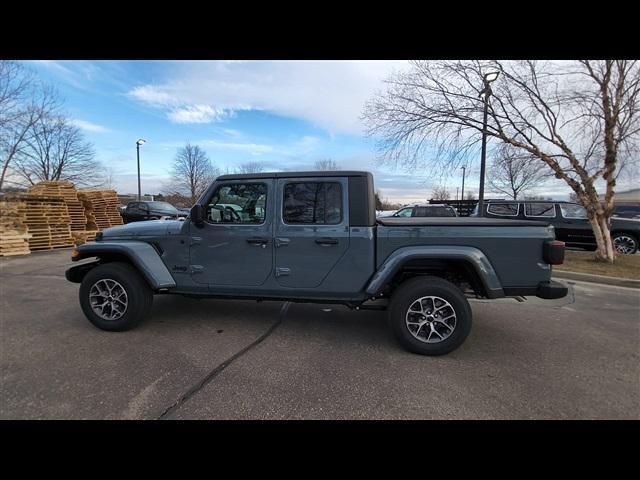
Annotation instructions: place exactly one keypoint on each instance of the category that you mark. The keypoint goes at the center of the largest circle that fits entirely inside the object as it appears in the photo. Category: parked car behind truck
(426, 210)
(150, 210)
(313, 237)
(569, 220)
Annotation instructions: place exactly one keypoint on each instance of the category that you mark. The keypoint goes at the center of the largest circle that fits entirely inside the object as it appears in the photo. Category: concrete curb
(588, 277)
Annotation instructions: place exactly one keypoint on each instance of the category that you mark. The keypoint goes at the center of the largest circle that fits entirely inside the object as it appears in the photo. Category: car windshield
(164, 206)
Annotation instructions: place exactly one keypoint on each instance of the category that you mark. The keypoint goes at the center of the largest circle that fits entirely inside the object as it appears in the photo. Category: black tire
(633, 245)
(139, 296)
(408, 293)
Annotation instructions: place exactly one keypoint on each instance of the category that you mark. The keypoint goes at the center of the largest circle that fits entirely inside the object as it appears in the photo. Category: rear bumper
(551, 289)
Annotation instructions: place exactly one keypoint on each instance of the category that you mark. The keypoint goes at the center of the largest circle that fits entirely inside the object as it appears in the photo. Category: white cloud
(152, 95)
(195, 114)
(250, 148)
(89, 126)
(329, 94)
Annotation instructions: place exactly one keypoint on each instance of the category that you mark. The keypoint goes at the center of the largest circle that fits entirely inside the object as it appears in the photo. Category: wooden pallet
(14, 235)
(67, 191)
(101, 208)
(48, 221)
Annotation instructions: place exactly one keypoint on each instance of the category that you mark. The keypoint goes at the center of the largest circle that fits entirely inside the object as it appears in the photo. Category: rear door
(312, 229)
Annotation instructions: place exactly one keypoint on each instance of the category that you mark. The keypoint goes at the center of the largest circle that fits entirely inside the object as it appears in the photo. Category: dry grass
(625, 266)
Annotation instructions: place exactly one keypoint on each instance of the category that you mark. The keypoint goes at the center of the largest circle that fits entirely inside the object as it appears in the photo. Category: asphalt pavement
(572, 358)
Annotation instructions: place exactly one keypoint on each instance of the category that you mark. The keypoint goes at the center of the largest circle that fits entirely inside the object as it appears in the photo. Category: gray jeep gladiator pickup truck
(314, 237)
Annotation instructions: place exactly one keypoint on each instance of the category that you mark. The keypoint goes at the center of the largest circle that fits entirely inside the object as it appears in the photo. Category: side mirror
(197, 214)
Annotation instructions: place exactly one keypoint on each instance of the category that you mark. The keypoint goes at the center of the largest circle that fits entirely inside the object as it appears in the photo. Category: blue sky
(284, 114)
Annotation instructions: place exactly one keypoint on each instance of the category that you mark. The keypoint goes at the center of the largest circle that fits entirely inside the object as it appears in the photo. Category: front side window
(241, 203)
(405, 212)
(312, 203)
(572, 211)
(504, 209)
(547, 210)
(134, 208)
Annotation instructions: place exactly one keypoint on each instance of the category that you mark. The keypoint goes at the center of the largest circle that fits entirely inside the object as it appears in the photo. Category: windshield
(165, 206)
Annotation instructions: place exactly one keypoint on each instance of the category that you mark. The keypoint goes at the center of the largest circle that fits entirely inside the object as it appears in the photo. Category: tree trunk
(605, 250)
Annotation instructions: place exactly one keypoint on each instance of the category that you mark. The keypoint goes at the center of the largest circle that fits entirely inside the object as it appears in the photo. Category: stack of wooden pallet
(101, 210)
(67, 191)
(14, 235)
(48, 222)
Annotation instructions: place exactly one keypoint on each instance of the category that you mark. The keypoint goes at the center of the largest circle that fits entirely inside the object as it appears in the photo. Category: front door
(312, 231)
(576, 228)
(234, 247)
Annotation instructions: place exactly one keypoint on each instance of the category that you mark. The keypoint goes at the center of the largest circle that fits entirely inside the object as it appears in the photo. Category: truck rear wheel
(429, 316)
(115, 297)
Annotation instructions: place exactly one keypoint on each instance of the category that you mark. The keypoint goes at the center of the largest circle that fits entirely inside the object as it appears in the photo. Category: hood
(632, 223)
(149, 228)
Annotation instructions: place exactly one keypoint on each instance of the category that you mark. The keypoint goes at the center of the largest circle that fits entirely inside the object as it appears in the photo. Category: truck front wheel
(429, 316)
(115, 297)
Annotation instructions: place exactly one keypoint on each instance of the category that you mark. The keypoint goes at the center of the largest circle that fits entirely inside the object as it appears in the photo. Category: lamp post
(140, 141)
(463, 172)
(488, 79)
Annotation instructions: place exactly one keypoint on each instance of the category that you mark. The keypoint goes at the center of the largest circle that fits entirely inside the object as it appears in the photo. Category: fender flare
(475, 257)
(142, 255)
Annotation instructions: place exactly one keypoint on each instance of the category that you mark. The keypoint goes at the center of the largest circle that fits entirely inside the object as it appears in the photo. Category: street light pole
(138, 143)
(463, 172)
(488, 78)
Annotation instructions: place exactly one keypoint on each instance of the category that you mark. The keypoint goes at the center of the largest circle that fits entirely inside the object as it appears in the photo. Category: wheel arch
(141, 256)
(435, 260)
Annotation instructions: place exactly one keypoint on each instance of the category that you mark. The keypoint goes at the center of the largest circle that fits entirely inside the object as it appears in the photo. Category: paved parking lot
(574, 358)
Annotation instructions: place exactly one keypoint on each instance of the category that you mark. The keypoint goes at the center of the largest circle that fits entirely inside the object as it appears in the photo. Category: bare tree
(23, 102)
(108, 176)
(514, 171)
(250, 167)
(441, 193)
(579, 119)
(191, 173)
(57, 150)
(326, 164)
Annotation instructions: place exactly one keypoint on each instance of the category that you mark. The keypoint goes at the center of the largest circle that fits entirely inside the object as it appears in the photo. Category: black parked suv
(146, 210)
(569, 220)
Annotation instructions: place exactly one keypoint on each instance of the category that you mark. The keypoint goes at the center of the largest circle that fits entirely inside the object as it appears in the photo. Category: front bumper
(551, 289)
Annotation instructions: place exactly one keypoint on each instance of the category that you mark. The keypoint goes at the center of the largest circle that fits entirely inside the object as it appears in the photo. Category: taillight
(554, 252)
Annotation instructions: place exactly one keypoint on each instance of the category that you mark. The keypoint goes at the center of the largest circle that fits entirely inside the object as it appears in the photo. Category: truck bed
(456, 222)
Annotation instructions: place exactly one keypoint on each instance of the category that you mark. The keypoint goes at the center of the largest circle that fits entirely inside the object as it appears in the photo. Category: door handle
(258, 241)
(281, 242)
(327, 241)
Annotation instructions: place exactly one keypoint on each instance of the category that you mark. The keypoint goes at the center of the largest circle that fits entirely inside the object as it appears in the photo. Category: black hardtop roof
(324, 173)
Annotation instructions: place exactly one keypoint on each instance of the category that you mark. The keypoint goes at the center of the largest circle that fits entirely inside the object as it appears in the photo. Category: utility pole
(138, 143)
(488, 78)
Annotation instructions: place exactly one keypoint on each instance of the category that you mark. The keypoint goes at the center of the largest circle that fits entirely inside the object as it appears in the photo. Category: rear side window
(504, 209)
(547, 210)
(315, 203)
(435, 212)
